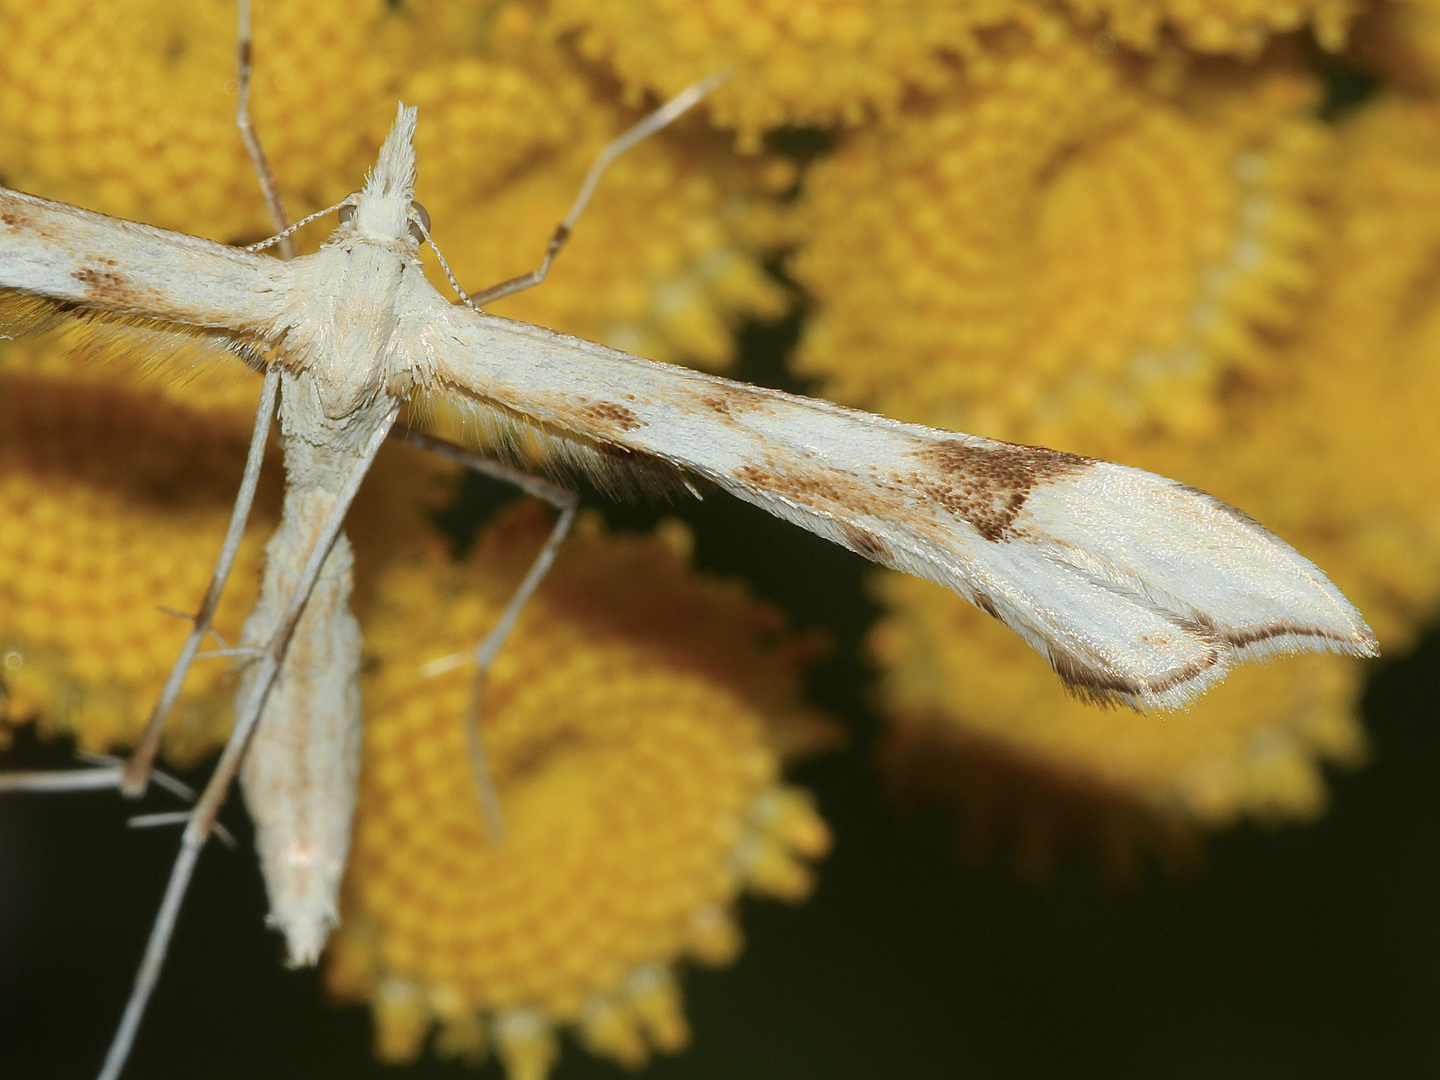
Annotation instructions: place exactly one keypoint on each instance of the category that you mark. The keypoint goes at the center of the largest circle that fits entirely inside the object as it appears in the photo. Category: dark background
(1308, 952)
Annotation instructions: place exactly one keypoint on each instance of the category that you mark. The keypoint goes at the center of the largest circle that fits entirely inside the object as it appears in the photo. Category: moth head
(417, 217)
(384, 210)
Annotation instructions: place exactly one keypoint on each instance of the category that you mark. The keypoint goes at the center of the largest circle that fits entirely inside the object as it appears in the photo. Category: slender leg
(662, 117)
(137, 770)
(483, 655)
(244, 52)
(202, 819)
(566, 502)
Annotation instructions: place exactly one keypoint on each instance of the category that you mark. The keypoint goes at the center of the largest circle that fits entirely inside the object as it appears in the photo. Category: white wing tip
(1138, 590)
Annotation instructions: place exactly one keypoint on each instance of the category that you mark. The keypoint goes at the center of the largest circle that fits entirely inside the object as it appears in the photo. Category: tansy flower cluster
(634, 727)
(1139, 229)
(104, 553)
(1186, 269)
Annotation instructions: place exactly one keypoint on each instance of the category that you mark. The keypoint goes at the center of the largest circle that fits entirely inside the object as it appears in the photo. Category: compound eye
(347, 213)
(419, 223)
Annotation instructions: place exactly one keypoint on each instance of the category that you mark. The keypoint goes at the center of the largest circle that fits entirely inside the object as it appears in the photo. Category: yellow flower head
(633, 725)
(98, 545)
(1064, 243)
(129, 109)
(1237, 27)
(115, 499)
(835, 61)
(1330, 441)
(968, 697)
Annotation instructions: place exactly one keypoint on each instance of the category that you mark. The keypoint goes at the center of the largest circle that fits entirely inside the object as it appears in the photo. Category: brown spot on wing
(825, 491)
(717, 403)
(987, 484)
(110, 289)
(986, 603)
(13, 212)
(867, 544)
(608, 416)
(731, 402)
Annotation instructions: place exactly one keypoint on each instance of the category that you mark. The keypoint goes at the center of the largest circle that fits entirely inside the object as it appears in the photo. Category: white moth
(1137, 589)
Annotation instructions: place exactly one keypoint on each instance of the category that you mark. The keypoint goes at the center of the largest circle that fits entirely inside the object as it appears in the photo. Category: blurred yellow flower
(1071, 245)
(97, 544)
(1214, 287)
(129, 109)
(634, 725)
(835, 61)
(1239, 27)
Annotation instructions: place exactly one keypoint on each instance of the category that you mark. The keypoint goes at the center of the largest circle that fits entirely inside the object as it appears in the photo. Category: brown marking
(109, 288)
(867, 544)
(606, 415)
(801, 486)
(730, 403)
(1108, 688)
(986, 604)
(1242, 638)
(823, 490)
(987, 485)
(14, 213)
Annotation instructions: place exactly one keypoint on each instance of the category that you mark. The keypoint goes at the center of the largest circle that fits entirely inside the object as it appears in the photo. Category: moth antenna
(283, 237)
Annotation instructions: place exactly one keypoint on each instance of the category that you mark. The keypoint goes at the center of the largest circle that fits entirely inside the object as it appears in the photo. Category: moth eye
(419, 222)
(347, 213)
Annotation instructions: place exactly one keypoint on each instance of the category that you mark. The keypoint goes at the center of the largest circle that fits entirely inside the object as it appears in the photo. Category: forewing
(79, 262)
(1136, 588)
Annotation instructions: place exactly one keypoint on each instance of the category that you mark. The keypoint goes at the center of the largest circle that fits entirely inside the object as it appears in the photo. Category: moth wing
(160, 290)
(1136, 588)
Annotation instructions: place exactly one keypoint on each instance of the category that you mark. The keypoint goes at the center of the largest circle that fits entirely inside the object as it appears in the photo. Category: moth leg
(106, 771)
(566, 503)
(244, 56)
(662, 117)
(247, 714)
(134, 776)
(137, 769)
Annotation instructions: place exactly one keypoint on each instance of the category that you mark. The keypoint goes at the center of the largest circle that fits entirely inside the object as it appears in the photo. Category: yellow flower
(1239, 27)
(962, 686)
(836, 61)
(634, 725)
(115, 500)
(1066, 243)
(98, 545)
(128, 109)
(1329, 439)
